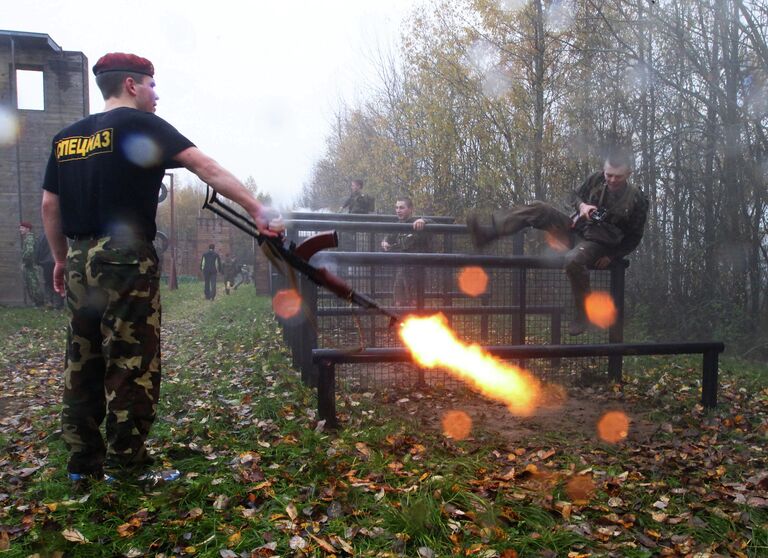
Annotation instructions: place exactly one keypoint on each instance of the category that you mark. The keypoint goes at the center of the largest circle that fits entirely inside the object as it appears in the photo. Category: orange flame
(432, 343)
(456, 424)
(613, 427)
(473, 280)
(600, 308)
(286, 303)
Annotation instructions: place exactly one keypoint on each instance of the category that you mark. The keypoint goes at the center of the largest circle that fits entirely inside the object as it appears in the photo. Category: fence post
(522, 296)
(447, 277)
(616, 331)
(326, 394)
(307, 335)
(709, 379)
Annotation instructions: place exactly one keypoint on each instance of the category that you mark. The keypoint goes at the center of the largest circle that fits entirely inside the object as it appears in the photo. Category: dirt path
(567, 417)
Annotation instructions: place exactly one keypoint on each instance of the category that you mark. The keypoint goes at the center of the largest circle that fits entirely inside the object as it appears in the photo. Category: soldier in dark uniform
(101, 191)
(29, 266)
(416, 241)
(230, 269)
(357, 202)
(210, 265)
(607, 225)
(44, 259)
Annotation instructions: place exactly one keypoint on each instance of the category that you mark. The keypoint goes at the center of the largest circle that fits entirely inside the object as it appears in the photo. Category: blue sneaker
(159, 477)
(80, 477)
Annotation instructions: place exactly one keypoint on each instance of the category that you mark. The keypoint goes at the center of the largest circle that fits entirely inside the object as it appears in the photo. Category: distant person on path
(230, 270)
(405, 285)
(101, 191)
(358, 202)
(28, 266)
(210, 265)
(244, 276)
(607, 225)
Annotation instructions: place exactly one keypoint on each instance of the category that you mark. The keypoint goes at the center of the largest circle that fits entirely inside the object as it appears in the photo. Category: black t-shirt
(107, 169)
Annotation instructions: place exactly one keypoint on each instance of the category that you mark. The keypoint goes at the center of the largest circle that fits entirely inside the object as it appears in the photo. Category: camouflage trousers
(579, 254)
(407, 284)
(32, 285)
(113, 354)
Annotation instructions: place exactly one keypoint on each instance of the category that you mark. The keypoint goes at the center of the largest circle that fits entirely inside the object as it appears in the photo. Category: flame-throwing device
(296, 257)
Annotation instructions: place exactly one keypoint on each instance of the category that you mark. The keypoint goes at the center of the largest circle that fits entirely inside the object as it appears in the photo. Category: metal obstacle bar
(327, 359)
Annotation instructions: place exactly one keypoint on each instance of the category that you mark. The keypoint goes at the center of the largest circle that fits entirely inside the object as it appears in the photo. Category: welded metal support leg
(372, 341)
(326, 394)
(709, 379)
(616, 331)
(307, 334)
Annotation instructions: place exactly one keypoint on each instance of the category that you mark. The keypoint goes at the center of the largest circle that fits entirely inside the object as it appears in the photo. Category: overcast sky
(254, 84)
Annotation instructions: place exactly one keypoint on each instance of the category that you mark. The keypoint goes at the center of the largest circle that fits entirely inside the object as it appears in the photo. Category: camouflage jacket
(411, 241)
(359, 203)
(28, 250)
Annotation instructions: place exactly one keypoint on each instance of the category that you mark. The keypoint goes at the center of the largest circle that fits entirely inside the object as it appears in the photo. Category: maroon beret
(122, 62)
(25, 224)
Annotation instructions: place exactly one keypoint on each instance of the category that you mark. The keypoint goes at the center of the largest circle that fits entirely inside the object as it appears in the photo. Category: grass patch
(261, 479)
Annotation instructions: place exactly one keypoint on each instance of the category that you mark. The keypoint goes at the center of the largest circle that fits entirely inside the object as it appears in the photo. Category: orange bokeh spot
(580, 488)
(286, 303)
(473, 280)
(600, 308)
(457, 424)
(613, 427)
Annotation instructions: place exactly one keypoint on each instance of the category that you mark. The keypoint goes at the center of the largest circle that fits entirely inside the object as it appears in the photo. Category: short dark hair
(111, 83)
(406, 200)
(211, 246)
(619, 156)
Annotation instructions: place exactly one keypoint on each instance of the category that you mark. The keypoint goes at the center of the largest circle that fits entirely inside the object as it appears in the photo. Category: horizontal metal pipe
(438, 260)
(442, 260)
(364, 217)
(394, 354)
(449, 310)
(367, 226)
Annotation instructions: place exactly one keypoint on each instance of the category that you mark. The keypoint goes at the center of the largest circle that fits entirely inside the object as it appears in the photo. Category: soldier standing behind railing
(405, 285)
(357, 202)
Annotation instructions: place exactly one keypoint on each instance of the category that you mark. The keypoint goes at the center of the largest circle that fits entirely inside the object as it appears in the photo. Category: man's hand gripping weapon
(297, 257)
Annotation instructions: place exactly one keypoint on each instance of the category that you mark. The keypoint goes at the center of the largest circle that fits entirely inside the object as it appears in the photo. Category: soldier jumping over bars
(607, 225)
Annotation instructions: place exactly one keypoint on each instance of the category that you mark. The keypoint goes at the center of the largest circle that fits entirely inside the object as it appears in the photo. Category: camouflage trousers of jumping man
(579, 254)
(113, 355)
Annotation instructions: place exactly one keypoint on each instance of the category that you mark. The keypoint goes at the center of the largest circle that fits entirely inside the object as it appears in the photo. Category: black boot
(577, 326)
(579, 323)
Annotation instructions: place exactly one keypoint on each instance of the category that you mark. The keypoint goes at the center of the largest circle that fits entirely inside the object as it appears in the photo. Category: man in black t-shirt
(101, 192)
